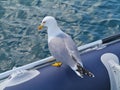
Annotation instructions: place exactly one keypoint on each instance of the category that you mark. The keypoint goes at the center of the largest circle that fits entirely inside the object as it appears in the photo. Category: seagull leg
(57, 64)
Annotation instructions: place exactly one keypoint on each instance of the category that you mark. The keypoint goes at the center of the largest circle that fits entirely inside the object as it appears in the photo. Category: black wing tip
(91, 74)
(83, 71)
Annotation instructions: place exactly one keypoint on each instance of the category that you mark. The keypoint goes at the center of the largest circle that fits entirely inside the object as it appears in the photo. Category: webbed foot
(57, 64)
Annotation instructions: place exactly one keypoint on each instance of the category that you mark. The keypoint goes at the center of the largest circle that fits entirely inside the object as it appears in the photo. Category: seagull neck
(54, 31)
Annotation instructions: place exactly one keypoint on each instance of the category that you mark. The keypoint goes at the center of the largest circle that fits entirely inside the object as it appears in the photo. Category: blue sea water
(85, 20)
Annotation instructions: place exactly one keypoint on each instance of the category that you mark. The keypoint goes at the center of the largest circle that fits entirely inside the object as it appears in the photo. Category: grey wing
(58, 50)
(72, 49)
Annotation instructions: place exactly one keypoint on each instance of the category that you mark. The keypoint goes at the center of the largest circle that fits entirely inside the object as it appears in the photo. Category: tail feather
(83, 71)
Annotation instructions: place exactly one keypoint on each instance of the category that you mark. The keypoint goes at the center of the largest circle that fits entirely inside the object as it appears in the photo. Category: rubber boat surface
(101, 58)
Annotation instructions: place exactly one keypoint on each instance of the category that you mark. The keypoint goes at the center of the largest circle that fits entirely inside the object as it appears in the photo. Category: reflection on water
(84, 20)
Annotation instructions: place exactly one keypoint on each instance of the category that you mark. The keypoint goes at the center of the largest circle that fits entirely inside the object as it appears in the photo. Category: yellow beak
(40, 27)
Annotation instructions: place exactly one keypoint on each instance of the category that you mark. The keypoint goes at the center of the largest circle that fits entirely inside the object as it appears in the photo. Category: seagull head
(48, 21)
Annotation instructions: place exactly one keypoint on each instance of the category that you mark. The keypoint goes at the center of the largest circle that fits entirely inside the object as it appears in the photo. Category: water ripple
(84, 20)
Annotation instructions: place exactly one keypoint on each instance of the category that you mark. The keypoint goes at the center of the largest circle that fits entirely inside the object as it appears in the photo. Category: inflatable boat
(100, 57)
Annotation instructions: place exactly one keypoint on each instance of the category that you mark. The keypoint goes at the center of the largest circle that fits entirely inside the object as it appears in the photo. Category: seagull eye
(44, 22)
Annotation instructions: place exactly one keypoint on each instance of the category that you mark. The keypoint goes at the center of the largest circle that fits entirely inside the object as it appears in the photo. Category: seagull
(63, 48)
